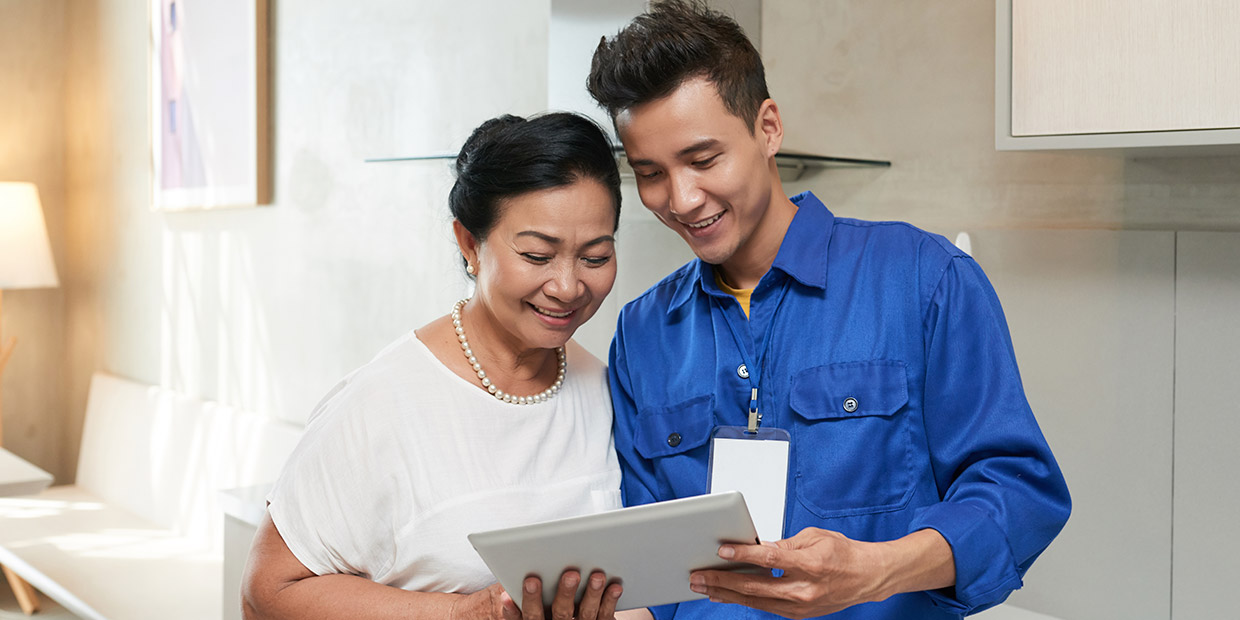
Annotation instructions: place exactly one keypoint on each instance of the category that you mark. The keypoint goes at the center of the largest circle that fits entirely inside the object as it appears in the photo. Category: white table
(17, 477)
(244, 509)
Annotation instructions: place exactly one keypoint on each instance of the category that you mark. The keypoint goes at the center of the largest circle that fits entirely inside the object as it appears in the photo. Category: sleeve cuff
(985, 569)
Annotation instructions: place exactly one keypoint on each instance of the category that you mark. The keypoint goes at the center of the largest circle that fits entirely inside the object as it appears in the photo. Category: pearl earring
(469, 269)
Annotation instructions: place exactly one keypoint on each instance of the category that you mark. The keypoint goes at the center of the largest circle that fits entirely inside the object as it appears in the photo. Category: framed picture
(209, 137)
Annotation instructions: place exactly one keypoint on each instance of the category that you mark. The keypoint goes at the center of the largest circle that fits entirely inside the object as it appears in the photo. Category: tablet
(649, 549)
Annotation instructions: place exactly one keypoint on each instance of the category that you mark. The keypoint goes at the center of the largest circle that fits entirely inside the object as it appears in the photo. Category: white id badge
(756, 464)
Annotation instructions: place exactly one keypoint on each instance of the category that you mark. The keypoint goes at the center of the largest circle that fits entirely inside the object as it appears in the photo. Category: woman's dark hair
(672, 42)
(508, 156)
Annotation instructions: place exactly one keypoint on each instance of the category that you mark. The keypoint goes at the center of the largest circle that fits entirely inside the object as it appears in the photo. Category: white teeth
(558, 315)
(706, 223)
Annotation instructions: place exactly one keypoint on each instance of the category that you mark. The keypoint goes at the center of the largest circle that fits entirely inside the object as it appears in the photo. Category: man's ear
(769, 127)
(466, 242)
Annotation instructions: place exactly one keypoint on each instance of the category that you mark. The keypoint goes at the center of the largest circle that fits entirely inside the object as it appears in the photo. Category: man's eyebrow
(704, 144)
(556, 240)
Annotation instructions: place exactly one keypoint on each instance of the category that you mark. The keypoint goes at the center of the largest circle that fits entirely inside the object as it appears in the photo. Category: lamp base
(6, 351)
(27, 598)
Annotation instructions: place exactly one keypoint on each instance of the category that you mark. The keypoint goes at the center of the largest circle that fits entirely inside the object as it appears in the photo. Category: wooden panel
(1097, 66)
(1207, 425)
(1091, 315)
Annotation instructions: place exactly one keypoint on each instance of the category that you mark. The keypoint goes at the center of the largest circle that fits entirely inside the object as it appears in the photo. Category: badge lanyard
(755, 370)
(752, 459)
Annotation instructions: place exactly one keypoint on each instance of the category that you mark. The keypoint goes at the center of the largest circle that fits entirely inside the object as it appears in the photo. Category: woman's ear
(466, 242)
(769, 127)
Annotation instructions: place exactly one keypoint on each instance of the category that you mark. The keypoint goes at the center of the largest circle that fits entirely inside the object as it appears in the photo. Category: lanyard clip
(755, 418)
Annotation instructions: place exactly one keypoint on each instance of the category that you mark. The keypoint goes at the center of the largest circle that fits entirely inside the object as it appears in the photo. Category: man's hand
(826, 571)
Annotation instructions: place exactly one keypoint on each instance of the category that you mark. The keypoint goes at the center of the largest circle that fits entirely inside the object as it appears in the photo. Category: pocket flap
(665, 431)
(850, 389)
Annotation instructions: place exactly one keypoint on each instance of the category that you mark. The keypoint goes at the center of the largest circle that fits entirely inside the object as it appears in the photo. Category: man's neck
(745, 268)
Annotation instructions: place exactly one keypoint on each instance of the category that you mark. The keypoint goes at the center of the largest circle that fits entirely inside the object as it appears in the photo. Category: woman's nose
(564, 283)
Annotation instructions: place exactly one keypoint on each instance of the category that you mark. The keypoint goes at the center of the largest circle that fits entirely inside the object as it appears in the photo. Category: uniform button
(742, 371)
(850, 404)
(673, 440)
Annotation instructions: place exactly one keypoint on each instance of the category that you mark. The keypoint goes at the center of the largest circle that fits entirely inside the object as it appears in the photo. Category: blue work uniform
(883, 351)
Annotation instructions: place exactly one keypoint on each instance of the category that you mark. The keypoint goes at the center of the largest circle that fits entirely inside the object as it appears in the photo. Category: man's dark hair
(508, 156)
(672, 42)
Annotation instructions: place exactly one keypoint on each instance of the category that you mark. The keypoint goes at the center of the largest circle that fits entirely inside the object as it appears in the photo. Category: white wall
(32, 149)
(267, 307)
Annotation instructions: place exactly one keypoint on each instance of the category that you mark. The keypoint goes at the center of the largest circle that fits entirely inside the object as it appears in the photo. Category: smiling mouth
(554, 315)
(706, 222)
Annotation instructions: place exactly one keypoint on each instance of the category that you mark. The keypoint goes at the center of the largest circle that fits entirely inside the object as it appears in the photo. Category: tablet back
(650, 549)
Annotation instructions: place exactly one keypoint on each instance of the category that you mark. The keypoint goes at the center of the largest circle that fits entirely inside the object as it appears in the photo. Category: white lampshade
(25, 253)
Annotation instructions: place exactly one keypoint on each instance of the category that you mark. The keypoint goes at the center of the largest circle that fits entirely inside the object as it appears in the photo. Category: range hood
(792, 166)
(575, 29)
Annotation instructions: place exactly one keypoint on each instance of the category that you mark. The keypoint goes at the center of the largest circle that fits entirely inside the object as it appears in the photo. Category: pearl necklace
(499, 394)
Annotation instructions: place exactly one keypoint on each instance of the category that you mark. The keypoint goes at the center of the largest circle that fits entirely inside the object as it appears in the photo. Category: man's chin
(711, 254)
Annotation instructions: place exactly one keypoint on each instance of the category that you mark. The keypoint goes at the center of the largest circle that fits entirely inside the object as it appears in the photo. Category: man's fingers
(760, 586)
(563, 605)
(531, 599)
(775, 606)
(767, 555)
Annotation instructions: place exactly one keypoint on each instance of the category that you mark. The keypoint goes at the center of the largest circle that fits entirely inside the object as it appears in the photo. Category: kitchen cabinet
(1074, 74)
(1092, 317)
(1129, 345)
(1207, 425)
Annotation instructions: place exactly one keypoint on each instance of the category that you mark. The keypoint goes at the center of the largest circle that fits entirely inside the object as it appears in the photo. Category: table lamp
(25, 262)
(25, 254)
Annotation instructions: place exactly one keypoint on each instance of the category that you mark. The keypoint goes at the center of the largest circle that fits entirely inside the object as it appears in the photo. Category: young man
(919, 484)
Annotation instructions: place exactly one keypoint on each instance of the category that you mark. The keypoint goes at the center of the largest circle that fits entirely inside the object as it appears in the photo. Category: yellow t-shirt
(741, 294)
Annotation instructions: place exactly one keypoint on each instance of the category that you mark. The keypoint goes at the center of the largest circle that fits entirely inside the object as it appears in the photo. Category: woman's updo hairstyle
(509, 156)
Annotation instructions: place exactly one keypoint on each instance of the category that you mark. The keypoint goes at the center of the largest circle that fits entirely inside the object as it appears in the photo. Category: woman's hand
(597, 603)
(490, 603)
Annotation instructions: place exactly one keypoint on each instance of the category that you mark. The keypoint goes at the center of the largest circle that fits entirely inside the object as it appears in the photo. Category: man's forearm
(920, 561)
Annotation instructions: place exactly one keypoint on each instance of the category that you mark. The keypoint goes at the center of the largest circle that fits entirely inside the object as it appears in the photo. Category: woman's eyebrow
(556, 240)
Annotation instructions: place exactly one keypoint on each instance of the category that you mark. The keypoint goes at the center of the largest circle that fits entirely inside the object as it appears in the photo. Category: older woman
(486, 417)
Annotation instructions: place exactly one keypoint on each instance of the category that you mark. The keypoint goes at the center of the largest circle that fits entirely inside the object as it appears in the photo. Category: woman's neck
(500, 353)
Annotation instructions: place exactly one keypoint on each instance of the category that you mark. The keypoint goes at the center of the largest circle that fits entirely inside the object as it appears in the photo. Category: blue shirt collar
(802, 255)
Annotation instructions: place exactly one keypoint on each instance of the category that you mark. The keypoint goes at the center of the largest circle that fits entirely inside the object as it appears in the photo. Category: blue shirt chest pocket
(674, 438)
(852, 436)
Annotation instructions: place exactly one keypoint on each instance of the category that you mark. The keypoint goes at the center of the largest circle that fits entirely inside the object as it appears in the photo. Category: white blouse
(403, 459)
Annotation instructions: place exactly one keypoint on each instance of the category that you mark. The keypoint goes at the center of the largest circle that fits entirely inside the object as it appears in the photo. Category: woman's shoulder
(399, 363)
(580, 357)
(585, 369)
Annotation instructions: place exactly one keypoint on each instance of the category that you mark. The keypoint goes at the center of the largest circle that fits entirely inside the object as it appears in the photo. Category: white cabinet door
(1207, 426)
(1092, 316)
(1116, 73)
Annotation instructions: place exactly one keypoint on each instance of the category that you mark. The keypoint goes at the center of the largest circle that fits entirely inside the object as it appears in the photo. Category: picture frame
(210, 143)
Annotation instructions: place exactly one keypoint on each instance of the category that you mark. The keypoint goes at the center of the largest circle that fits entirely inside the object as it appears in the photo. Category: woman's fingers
(598, 602)
(607, 610)
(564, 604)
(508, 609)
(590, 602)
(531, 599)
